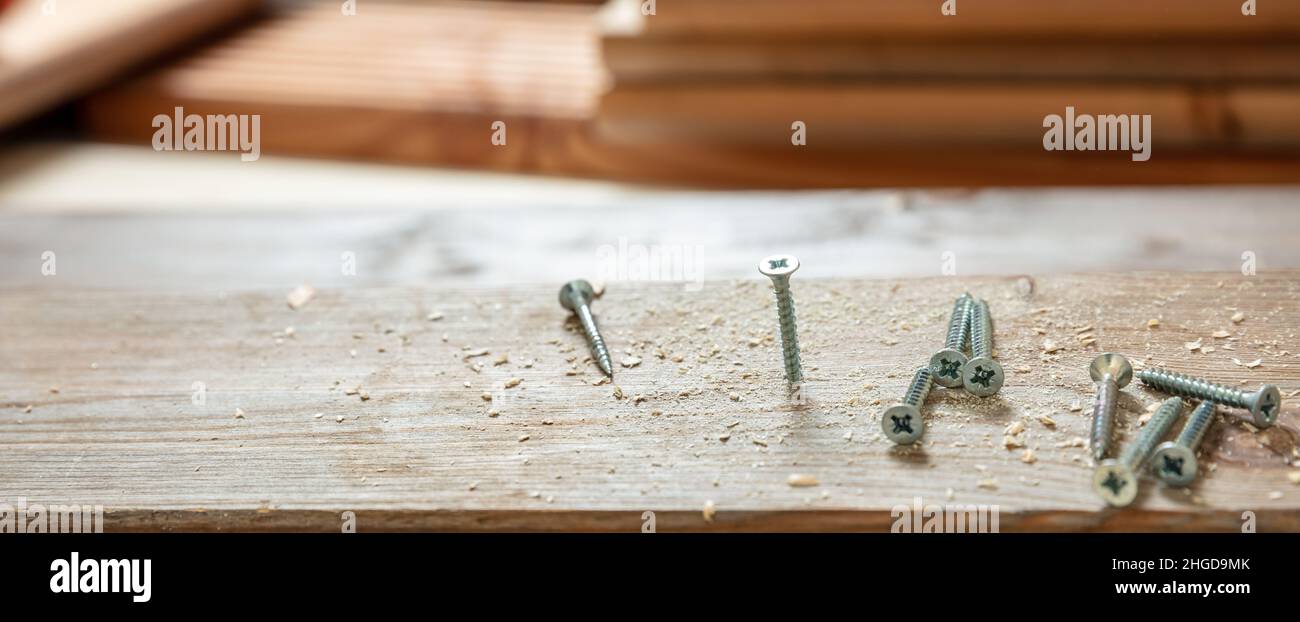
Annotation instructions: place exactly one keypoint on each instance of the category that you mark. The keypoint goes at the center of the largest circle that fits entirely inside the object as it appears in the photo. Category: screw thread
(920, 387)
(1140, 449)
(959, 323)
(1198, 423)
(1103, 416)
(1196, 388)
(981, 329)
(789, 335)
(594, 339)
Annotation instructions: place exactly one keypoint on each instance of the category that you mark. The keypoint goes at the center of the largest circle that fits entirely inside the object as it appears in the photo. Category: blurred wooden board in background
(395, 82)
(720, 60)
(1039, 19)
(51, 52)
(424, 84)
(200, 411)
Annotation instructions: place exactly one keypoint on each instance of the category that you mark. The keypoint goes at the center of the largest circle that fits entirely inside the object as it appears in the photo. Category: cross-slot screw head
(1114, 365)
(1174, 464)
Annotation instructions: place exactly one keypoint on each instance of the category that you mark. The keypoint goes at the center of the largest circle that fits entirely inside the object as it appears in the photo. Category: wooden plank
(634, 59)
(994, 114)
(52, 51)
(537, 69)
(126, 429)
(396, 82)
(112, 222)
(897, 19)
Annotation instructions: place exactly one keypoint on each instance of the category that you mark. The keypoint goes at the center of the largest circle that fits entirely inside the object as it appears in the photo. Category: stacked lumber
(873, 76)
(408, 82)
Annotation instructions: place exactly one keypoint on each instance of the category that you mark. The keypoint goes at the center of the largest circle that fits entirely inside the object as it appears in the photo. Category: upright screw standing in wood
(576, 296)
(779, 268)
(981, 375)
(1111, 372)
(1116, 480)
(1175, 461)
(903, 423)
(1263, 404)
(946, 364)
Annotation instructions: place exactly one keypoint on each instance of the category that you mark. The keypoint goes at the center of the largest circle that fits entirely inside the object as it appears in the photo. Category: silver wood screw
(1263, 404)
(1111, 372)
(903, 423)
(1116, 480)
(946, 364)
(1175, 461)
(779, 268)
(576, 296)
(981, 375)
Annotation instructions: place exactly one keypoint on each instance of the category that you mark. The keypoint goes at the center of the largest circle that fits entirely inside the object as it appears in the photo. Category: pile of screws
(970, 326)
(1172, 462)
(970, 330)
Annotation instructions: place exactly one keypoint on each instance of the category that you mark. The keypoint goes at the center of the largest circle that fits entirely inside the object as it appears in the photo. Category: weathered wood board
(117, 418)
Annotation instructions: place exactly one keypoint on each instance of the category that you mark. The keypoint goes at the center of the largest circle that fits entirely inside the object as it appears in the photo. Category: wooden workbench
(372, 407)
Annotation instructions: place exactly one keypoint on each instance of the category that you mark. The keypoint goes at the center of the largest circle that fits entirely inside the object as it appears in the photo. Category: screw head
(1114, 364)
(982, 376)
(1115, 483)
(946, 367)
(779, 266)
(575, 292)
(1265, 404)
(1174, 464)
(902, 424)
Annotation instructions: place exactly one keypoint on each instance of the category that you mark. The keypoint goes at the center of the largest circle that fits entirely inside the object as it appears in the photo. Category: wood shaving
(800, 480)
(1153, 323)
(1221, 334)
(709, 511)
(630, 361)
(239, 413)
(513, 382)
(1238, 317)
(1294, 477)
(300, 296)
(1028, 457)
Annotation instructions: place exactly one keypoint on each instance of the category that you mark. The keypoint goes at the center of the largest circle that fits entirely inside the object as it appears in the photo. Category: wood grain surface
(472, 409)
(120, 218)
